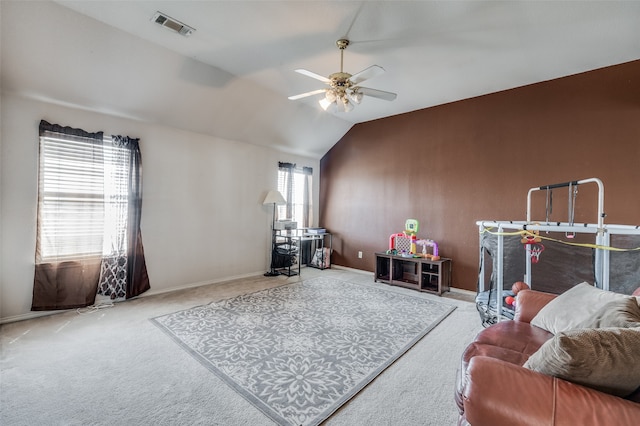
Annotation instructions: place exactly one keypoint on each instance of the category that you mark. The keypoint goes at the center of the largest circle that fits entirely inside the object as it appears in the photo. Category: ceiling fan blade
(313, 75)
(380, 94)
(366, 74)
(304, 95)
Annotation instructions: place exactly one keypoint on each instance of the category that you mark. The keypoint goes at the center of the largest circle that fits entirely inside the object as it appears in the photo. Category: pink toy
(411, 242)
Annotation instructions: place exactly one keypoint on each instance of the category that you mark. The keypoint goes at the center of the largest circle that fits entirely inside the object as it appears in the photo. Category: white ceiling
(434, 52)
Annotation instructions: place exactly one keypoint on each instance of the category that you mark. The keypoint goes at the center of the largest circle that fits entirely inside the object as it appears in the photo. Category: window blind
(80, 195)
(294, 183)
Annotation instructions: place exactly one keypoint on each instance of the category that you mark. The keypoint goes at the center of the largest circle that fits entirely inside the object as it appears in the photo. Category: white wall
(203, 220)
(56, 55)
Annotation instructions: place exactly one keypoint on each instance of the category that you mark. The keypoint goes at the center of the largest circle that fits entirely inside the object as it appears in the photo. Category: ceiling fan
(344, 89)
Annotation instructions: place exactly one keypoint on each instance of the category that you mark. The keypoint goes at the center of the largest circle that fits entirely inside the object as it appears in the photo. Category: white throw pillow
(572, 307)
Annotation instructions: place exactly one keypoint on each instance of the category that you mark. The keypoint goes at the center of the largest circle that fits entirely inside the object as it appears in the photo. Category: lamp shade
(274, 197)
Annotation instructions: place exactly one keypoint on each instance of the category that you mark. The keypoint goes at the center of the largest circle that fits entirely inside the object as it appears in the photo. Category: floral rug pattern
(300, 351)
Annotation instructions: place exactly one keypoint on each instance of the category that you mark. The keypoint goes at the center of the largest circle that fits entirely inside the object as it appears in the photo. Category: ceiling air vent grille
(172, 24)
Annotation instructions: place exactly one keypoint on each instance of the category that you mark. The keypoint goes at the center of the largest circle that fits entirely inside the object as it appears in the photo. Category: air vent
(172, 24)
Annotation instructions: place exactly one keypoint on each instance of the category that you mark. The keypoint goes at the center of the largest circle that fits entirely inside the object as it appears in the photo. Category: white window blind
(294, 185)
(83, 186)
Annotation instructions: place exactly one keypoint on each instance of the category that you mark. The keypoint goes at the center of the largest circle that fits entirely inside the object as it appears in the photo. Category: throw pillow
(618, 313)
(572, 307)
(605, 359)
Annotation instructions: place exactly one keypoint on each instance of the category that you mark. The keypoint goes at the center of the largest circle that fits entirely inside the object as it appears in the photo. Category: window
(295, 183)
(84, 192)
(89, 209)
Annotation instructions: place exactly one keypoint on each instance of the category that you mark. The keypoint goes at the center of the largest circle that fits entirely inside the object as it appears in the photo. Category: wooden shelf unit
(418, 273)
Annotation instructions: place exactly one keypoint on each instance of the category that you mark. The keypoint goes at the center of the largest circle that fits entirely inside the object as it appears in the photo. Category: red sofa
(493, 388)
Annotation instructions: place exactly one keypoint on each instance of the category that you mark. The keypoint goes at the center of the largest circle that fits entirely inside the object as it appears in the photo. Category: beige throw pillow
(573, 307)
(606, 359)
(619, 313)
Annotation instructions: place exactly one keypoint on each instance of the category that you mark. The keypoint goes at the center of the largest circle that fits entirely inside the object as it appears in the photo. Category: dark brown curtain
(137, 278)
(118, 273)
(65, 284)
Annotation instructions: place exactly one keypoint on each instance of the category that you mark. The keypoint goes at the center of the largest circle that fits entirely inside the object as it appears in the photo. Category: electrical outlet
(359, 255)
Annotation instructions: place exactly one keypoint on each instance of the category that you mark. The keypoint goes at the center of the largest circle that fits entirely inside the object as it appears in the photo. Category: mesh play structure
(554, 256)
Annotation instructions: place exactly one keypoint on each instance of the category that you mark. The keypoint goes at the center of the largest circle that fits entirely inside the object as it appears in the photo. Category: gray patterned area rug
(300, 351)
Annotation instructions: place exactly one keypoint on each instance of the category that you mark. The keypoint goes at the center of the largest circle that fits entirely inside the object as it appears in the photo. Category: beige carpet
(115, 367)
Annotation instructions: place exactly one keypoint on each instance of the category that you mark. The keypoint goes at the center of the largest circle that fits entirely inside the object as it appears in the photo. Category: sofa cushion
(605, 359)
(623, 312)
(509, 341)
(515, 336)
(573, 307)
(476, 349)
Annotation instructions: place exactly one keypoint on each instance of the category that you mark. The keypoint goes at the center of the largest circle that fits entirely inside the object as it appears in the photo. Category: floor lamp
(275, 198)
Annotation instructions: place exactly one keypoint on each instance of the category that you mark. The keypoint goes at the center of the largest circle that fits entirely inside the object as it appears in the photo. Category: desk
(317, 259)
(298, 246)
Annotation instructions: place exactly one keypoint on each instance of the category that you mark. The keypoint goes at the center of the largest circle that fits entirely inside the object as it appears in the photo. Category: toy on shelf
(430, 243)
(411, 227)
(404, 243)
(401, 243)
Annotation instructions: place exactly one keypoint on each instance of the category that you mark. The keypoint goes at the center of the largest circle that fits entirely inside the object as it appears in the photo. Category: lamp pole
(273, 197)
(272, 272)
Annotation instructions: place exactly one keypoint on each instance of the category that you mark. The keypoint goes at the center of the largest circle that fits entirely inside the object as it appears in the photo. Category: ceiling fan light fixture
(348, 106)
(330, 95)
(325, 103)
(356, 96)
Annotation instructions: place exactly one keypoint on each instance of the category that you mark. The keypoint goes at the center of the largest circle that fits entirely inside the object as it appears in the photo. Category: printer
(285, 224)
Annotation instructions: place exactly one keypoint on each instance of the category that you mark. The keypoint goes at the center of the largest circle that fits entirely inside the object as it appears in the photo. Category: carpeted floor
(115, 367)
(299, 351)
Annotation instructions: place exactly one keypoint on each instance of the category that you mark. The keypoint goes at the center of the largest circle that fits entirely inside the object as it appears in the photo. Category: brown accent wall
(451, 165)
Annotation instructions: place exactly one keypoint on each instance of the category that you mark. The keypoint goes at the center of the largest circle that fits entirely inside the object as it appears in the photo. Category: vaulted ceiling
(242, 56)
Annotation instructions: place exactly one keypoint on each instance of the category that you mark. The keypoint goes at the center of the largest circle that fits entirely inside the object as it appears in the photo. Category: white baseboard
(31, 315)
(346, 268)
(152, 292)
(463, 291)
(361, 271)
